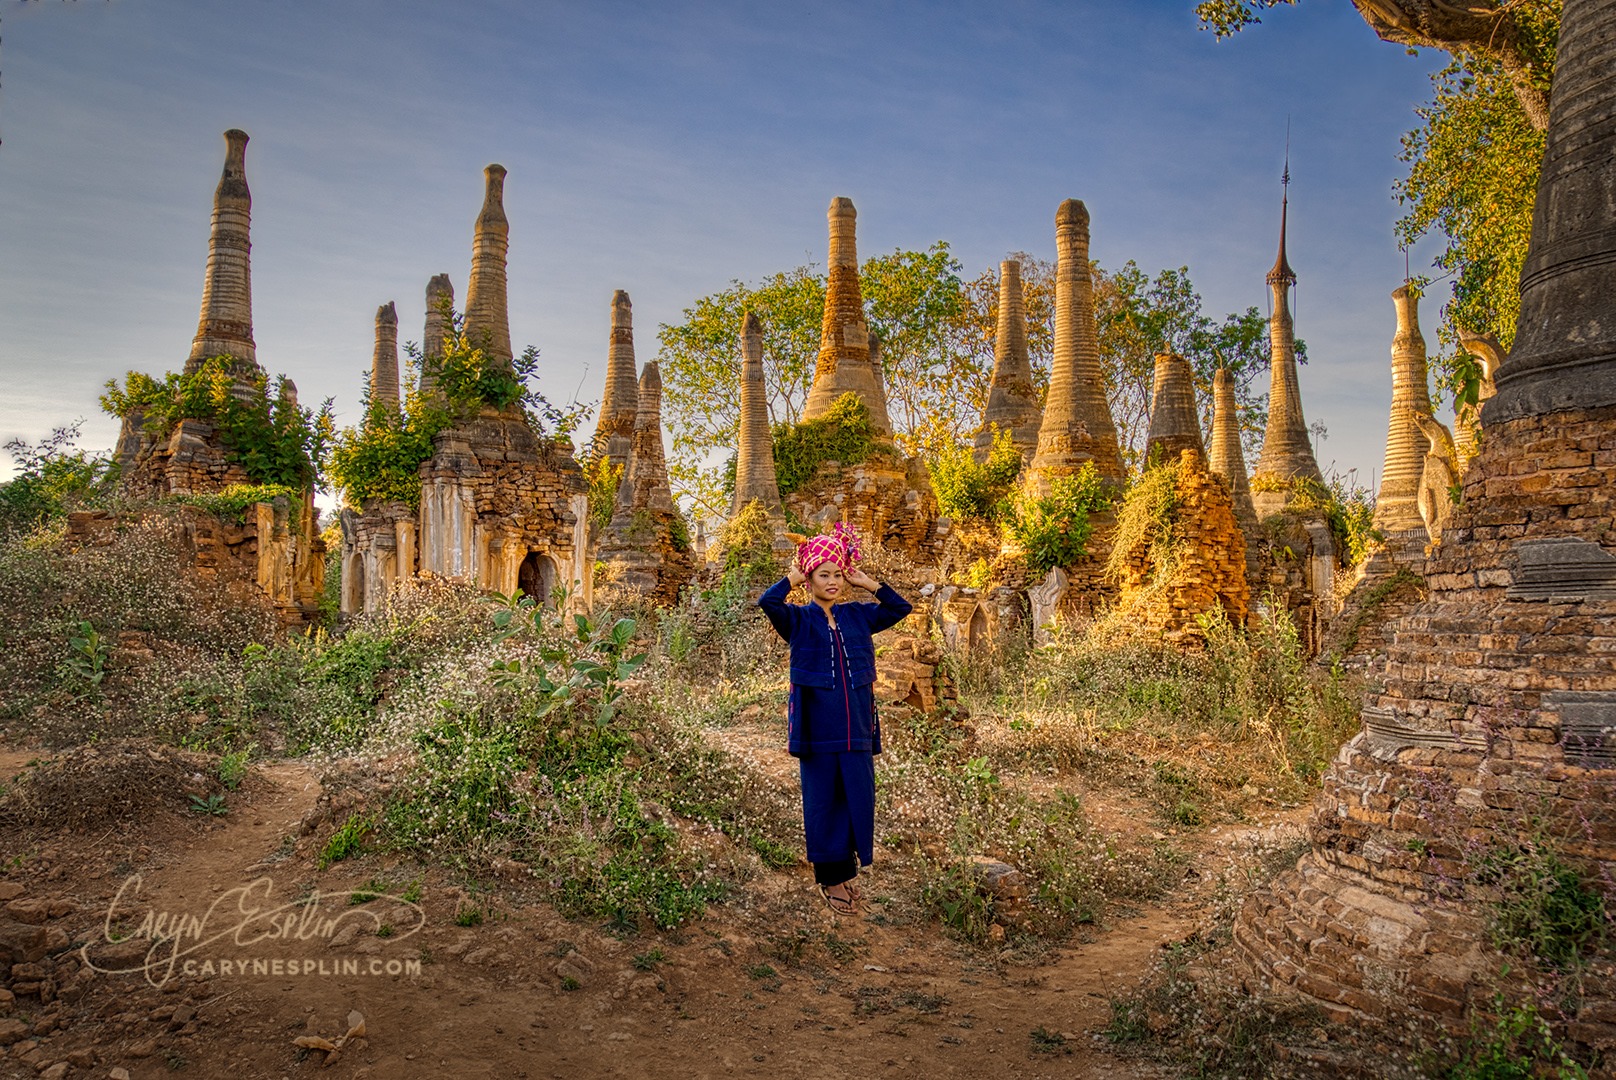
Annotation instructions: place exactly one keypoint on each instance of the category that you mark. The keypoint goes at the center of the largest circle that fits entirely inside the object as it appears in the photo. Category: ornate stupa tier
(1397, 503)
(844, 364)
(435, 333)
(384, 391)
(1287, 452)
(225, 327)
(488, 322)
(754, 454)
(1012, 399)
(619, 405)
(1175, 425)
(1077, 427)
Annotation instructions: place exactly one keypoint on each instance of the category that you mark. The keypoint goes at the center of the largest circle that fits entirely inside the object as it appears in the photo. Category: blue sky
(665, 149)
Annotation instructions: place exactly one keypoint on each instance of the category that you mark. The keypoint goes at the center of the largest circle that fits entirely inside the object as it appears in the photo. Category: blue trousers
(838, 808)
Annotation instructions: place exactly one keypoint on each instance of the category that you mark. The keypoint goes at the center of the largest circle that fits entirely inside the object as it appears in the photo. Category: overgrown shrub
(52, 478)
(843, 435)
(1148, 519)
(1053, 530)
(275, 440)
(746, 544)
(1348, 510)
(967, 488)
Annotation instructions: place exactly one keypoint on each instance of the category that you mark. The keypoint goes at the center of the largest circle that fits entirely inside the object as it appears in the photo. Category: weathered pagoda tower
(1175, 424)
(378, 539)
(1494, 724)
(1397, 508)
(1225, 456)
(501, 506)
(435, 332)
(384, 385)
(886, 499)
(614, 430)
(754, 452)
(1012, 399)
(277, 548)
(646, 543)
(1077, 427)
(1287, 452)
(844, 341)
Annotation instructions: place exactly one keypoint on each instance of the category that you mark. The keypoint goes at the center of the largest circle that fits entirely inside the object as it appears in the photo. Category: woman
(833, 730)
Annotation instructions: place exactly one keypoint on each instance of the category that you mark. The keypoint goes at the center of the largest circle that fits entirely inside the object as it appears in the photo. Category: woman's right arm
(773, 603)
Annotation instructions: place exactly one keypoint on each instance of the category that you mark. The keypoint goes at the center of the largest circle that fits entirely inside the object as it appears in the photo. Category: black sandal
(841, 905)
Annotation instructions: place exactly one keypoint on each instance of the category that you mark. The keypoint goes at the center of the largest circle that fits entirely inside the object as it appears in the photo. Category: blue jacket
(832, 704)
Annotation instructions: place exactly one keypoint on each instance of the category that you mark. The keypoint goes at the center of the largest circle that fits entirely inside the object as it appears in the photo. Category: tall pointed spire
(488, 322)
(435, 335)
(1077, 425)
(1287, 452)
(844, 343)
(619, 405)
(384, 360)
(225, 325)
(755, 477)
(1012, 398)
(1224, 456)
(1175, 424)
(1397, 506)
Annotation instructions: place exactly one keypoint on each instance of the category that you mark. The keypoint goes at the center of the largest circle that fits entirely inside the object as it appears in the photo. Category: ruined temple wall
(492, 494)
(1496, 693)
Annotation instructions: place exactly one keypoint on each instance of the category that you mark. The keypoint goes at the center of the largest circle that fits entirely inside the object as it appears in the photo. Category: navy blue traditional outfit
(833, 729)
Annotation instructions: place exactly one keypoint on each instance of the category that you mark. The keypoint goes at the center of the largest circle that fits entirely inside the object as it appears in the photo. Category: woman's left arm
(889, 609)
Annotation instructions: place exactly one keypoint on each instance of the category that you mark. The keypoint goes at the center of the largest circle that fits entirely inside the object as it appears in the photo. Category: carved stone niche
(1563, 569)
(1587, 726)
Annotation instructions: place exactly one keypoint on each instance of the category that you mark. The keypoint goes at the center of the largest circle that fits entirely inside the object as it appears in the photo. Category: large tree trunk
(1471, 26)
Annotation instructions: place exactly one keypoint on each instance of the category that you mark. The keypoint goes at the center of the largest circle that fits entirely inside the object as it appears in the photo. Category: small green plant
(967, 488)
(1518, 1044)
(648, 961)
(86, 661)
(369, 891)
(346, 842)
(955, 898)
(412, 895)
(761, 971)
(212, 805)
(1545, 908)
(469, 916)
(569, 984)
(233, 768)
(385, 930)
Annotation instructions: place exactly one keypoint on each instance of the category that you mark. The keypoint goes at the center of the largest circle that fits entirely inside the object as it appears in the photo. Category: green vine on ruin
(379, 460)
(276, 441)
(1054, 529)
(844, 435)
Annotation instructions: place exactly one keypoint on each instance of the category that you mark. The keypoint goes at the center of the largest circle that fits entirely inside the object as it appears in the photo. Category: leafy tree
(1140, 316)
(1474, 159)
(52, 478)
(967, 488)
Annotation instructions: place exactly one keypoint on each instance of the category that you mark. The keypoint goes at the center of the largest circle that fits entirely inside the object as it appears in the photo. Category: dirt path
(526, 993)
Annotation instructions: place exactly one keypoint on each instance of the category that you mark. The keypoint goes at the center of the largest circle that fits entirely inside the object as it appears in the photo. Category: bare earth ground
(527, 993)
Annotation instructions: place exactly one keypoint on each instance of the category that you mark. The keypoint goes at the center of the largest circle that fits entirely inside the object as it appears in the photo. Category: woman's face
(825, 583)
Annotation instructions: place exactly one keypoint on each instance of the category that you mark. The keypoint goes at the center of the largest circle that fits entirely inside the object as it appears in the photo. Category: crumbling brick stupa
(1210, 570)
(501, 506)
(1491, 733)
(1012, 398)
(645, 545)
(886, 498)
(276, 547)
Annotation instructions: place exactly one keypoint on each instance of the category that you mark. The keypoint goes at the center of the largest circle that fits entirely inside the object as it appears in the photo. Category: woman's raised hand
(795, 576)
(862, 580)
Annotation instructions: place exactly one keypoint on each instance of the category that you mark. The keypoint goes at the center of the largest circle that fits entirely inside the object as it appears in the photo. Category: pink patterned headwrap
(839, 546)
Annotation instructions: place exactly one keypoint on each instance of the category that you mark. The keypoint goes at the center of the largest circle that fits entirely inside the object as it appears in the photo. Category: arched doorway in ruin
(537, 576)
